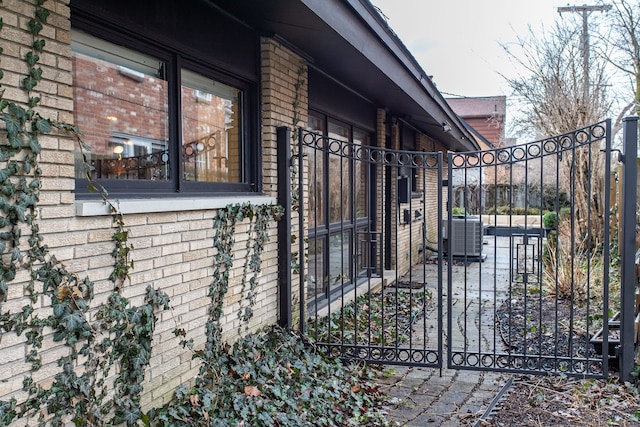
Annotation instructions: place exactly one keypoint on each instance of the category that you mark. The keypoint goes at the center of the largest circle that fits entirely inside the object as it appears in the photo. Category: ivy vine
(107, 347)
(299, 86)
(225, 222)
(120, 335)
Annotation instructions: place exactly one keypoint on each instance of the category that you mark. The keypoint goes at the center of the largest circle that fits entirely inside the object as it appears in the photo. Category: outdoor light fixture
(446, 127)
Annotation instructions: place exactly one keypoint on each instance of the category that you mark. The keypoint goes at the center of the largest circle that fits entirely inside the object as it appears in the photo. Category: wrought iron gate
(410, 258)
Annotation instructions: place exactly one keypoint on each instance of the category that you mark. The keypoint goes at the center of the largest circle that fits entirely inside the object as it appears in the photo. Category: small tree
(555, 101)
(621, 37)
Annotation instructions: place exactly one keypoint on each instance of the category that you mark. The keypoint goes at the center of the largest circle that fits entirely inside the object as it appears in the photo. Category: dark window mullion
(175, 123)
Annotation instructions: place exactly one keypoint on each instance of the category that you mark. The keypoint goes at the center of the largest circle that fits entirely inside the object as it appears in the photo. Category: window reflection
(121, 105)
(210, 130)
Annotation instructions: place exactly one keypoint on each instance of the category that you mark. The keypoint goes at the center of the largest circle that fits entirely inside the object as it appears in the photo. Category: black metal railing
(403, 249)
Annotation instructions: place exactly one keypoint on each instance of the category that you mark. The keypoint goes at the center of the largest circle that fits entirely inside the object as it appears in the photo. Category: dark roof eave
(429, 97)
(349, 40)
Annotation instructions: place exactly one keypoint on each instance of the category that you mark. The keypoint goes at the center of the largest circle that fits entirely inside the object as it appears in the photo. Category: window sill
(137, 206)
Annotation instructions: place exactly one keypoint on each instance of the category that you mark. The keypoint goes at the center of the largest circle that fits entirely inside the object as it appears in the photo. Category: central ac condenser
(466, 236)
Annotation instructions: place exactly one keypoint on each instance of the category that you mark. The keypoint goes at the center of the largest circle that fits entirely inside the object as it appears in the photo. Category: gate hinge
(620, 155)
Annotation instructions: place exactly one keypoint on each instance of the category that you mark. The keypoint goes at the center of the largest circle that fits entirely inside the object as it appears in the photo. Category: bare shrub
(572, 269)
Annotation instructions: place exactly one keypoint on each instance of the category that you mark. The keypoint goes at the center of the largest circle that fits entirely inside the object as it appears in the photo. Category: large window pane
(340, 256)
(316, 161)
(121, 106)
(211, 137)
(361, 174)
(339, 176)
(317, 269)
(341, 245)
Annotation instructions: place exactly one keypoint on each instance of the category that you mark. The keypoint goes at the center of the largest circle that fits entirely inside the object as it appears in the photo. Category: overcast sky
(458, 41)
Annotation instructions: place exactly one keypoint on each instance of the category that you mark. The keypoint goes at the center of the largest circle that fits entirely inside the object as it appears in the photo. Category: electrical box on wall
(404, 189)
(407, 216)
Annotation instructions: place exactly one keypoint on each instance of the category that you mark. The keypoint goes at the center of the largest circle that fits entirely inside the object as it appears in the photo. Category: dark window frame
(175, 60)
(325, 231)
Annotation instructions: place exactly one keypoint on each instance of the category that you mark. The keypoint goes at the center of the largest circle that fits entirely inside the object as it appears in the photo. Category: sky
(458, 41)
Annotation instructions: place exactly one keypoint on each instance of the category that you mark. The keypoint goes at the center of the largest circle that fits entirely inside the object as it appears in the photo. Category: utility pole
(585, 10)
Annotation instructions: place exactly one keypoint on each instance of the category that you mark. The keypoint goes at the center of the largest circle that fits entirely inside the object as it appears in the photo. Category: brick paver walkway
(448, 397)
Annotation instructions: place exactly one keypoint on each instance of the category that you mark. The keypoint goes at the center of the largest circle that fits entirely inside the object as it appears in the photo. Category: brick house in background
(485, 118)
(484, 114)
(181, 102)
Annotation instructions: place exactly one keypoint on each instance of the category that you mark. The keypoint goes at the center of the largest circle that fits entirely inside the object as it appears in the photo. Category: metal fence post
(628, 247)
(283, 138)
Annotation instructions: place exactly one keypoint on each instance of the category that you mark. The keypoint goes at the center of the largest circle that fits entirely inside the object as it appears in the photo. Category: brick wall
(284, 96)
(410, 236)
(173, 250)
(56, 201)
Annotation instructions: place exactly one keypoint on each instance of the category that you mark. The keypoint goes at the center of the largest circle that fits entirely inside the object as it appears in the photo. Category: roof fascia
(359, 24)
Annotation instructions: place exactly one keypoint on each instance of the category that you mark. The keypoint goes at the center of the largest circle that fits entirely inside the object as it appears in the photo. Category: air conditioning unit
(466, 236)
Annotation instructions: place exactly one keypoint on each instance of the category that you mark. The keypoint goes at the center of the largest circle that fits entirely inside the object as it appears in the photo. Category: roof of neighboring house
(486, 115)
(351, 42)
(483, 142)
(479, 106)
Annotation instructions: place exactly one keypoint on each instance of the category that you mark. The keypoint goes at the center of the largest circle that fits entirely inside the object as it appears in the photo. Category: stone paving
(452, 397)
(446, 398)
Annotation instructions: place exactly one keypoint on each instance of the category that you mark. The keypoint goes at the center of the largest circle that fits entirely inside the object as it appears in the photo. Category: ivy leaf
(36, 73)
(139, 362)
(59, 309)
(13, 125)
(35, 184)
(35, 27)
(34, 144)
(6, 152)
(17, 111)
(59, 336)
(19, 211)
(33, 101)
(16, 255)
(42, 14)
(73, 321)
(131, 416)
(8, 189)
(43, 125)
(14, 140)
(29, 83)
(38, 45)
(10, 273)
(81, 304)
(31, 58)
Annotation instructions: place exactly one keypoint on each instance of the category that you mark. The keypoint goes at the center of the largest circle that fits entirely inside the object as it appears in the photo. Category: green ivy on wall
(101, 373)
(225, 221)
